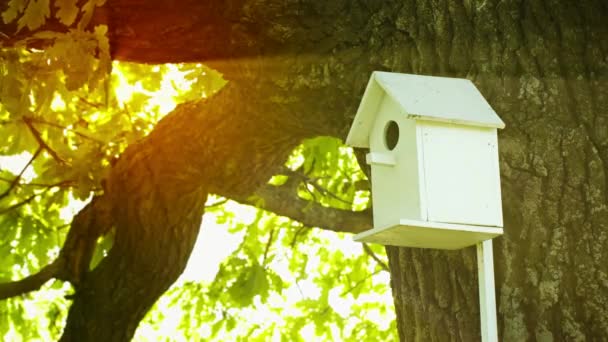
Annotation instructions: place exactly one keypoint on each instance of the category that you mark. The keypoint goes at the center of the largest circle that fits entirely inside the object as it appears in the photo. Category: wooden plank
(424, 234)
(487, 296)
(461, 177)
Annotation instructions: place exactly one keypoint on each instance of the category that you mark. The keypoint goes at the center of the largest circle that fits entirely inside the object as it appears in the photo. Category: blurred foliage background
(67, 112)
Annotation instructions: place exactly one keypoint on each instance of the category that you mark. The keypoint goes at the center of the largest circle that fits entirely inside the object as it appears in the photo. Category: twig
(31, 198)
(15, 181)
(268, 244)
(63, 183)
(348, 290)
(58, 126)
(313, 181)
(357, 284)
(41, 141)
(371, 253)
(89, 103)
(216, 204)
(22, 203)
(297, 234)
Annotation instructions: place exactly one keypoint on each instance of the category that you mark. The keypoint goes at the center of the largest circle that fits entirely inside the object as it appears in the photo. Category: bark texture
(298, 69)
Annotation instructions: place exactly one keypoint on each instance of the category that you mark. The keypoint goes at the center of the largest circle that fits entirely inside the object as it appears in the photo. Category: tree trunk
(298, 69)
(542, 66)
(158, 190)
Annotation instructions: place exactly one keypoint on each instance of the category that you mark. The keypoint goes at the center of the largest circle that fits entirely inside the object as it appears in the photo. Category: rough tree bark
(298, 69)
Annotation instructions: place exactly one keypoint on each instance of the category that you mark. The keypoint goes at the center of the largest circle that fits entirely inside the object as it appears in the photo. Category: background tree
(297, 70)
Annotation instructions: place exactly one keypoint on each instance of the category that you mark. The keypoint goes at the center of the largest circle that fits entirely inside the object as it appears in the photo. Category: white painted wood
(424, 213)
(487, 296)
(395, 191)
(358, 136)
(381, 159)
(460, 174)
(439, 187)
(425, 234)
(442, 99)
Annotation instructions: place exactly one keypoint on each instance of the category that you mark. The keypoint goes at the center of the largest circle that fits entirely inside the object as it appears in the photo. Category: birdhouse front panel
(461, 176)
(393, 158)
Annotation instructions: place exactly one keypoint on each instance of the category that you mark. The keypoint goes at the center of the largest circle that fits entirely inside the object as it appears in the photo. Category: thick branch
(88, 225)
(283, 200)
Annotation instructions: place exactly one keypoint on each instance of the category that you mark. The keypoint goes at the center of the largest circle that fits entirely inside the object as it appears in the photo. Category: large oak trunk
(303, 66)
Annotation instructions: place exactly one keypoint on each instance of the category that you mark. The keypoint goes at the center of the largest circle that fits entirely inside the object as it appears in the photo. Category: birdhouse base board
(424, 234)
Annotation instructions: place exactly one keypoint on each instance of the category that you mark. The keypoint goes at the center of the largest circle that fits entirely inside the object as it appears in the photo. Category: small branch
(22, 203)
(89, 103)
(63, 183)
(216, 204)
(371, 253)
(58, 126)
(297, 234)
(41, 141)
(268, 244)
(315, 184)
(350, 289)
(357, 284)
(32, 197)
(31, 283)
(15, 181)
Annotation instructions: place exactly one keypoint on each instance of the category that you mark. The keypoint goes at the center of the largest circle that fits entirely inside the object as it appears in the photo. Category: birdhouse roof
(443, 99)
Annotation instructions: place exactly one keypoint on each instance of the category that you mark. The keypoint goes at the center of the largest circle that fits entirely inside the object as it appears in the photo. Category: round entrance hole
(391, 135)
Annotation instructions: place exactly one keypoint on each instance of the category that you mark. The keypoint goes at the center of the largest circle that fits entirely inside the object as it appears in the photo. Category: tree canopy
(67, 114)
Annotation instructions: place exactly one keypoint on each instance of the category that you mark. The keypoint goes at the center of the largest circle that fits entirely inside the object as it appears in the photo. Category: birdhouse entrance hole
(391, 135)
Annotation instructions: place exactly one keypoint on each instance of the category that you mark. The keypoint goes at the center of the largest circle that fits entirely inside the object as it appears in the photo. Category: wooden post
(487, 296)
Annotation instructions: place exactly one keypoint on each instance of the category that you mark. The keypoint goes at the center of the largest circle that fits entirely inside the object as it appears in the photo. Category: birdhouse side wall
(461, 175)
(395, 188)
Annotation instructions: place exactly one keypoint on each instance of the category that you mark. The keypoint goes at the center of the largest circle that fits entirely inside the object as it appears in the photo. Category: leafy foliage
(67, 112)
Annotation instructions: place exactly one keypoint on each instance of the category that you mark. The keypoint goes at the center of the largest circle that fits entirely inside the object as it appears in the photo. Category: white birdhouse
(434, 160)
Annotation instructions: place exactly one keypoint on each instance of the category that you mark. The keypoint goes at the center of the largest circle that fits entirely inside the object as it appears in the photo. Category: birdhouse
(434, 161)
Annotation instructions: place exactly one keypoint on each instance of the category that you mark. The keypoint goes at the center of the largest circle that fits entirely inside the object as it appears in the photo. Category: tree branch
(93, 221)
(61, 184)
(283, 200)
(31, 283)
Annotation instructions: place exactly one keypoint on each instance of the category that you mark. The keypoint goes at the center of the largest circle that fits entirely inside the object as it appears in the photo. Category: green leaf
(103, 246)
(35, 15)
(88, 8)
(66, 11)
(15, 7)
(278, 180)
(249, 284)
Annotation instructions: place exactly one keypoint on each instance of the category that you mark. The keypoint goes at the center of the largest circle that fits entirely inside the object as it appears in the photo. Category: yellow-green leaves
(252, 281)
(66, 11)
(74, 53)
(35, 14)
(15, 7)
(87, 12)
